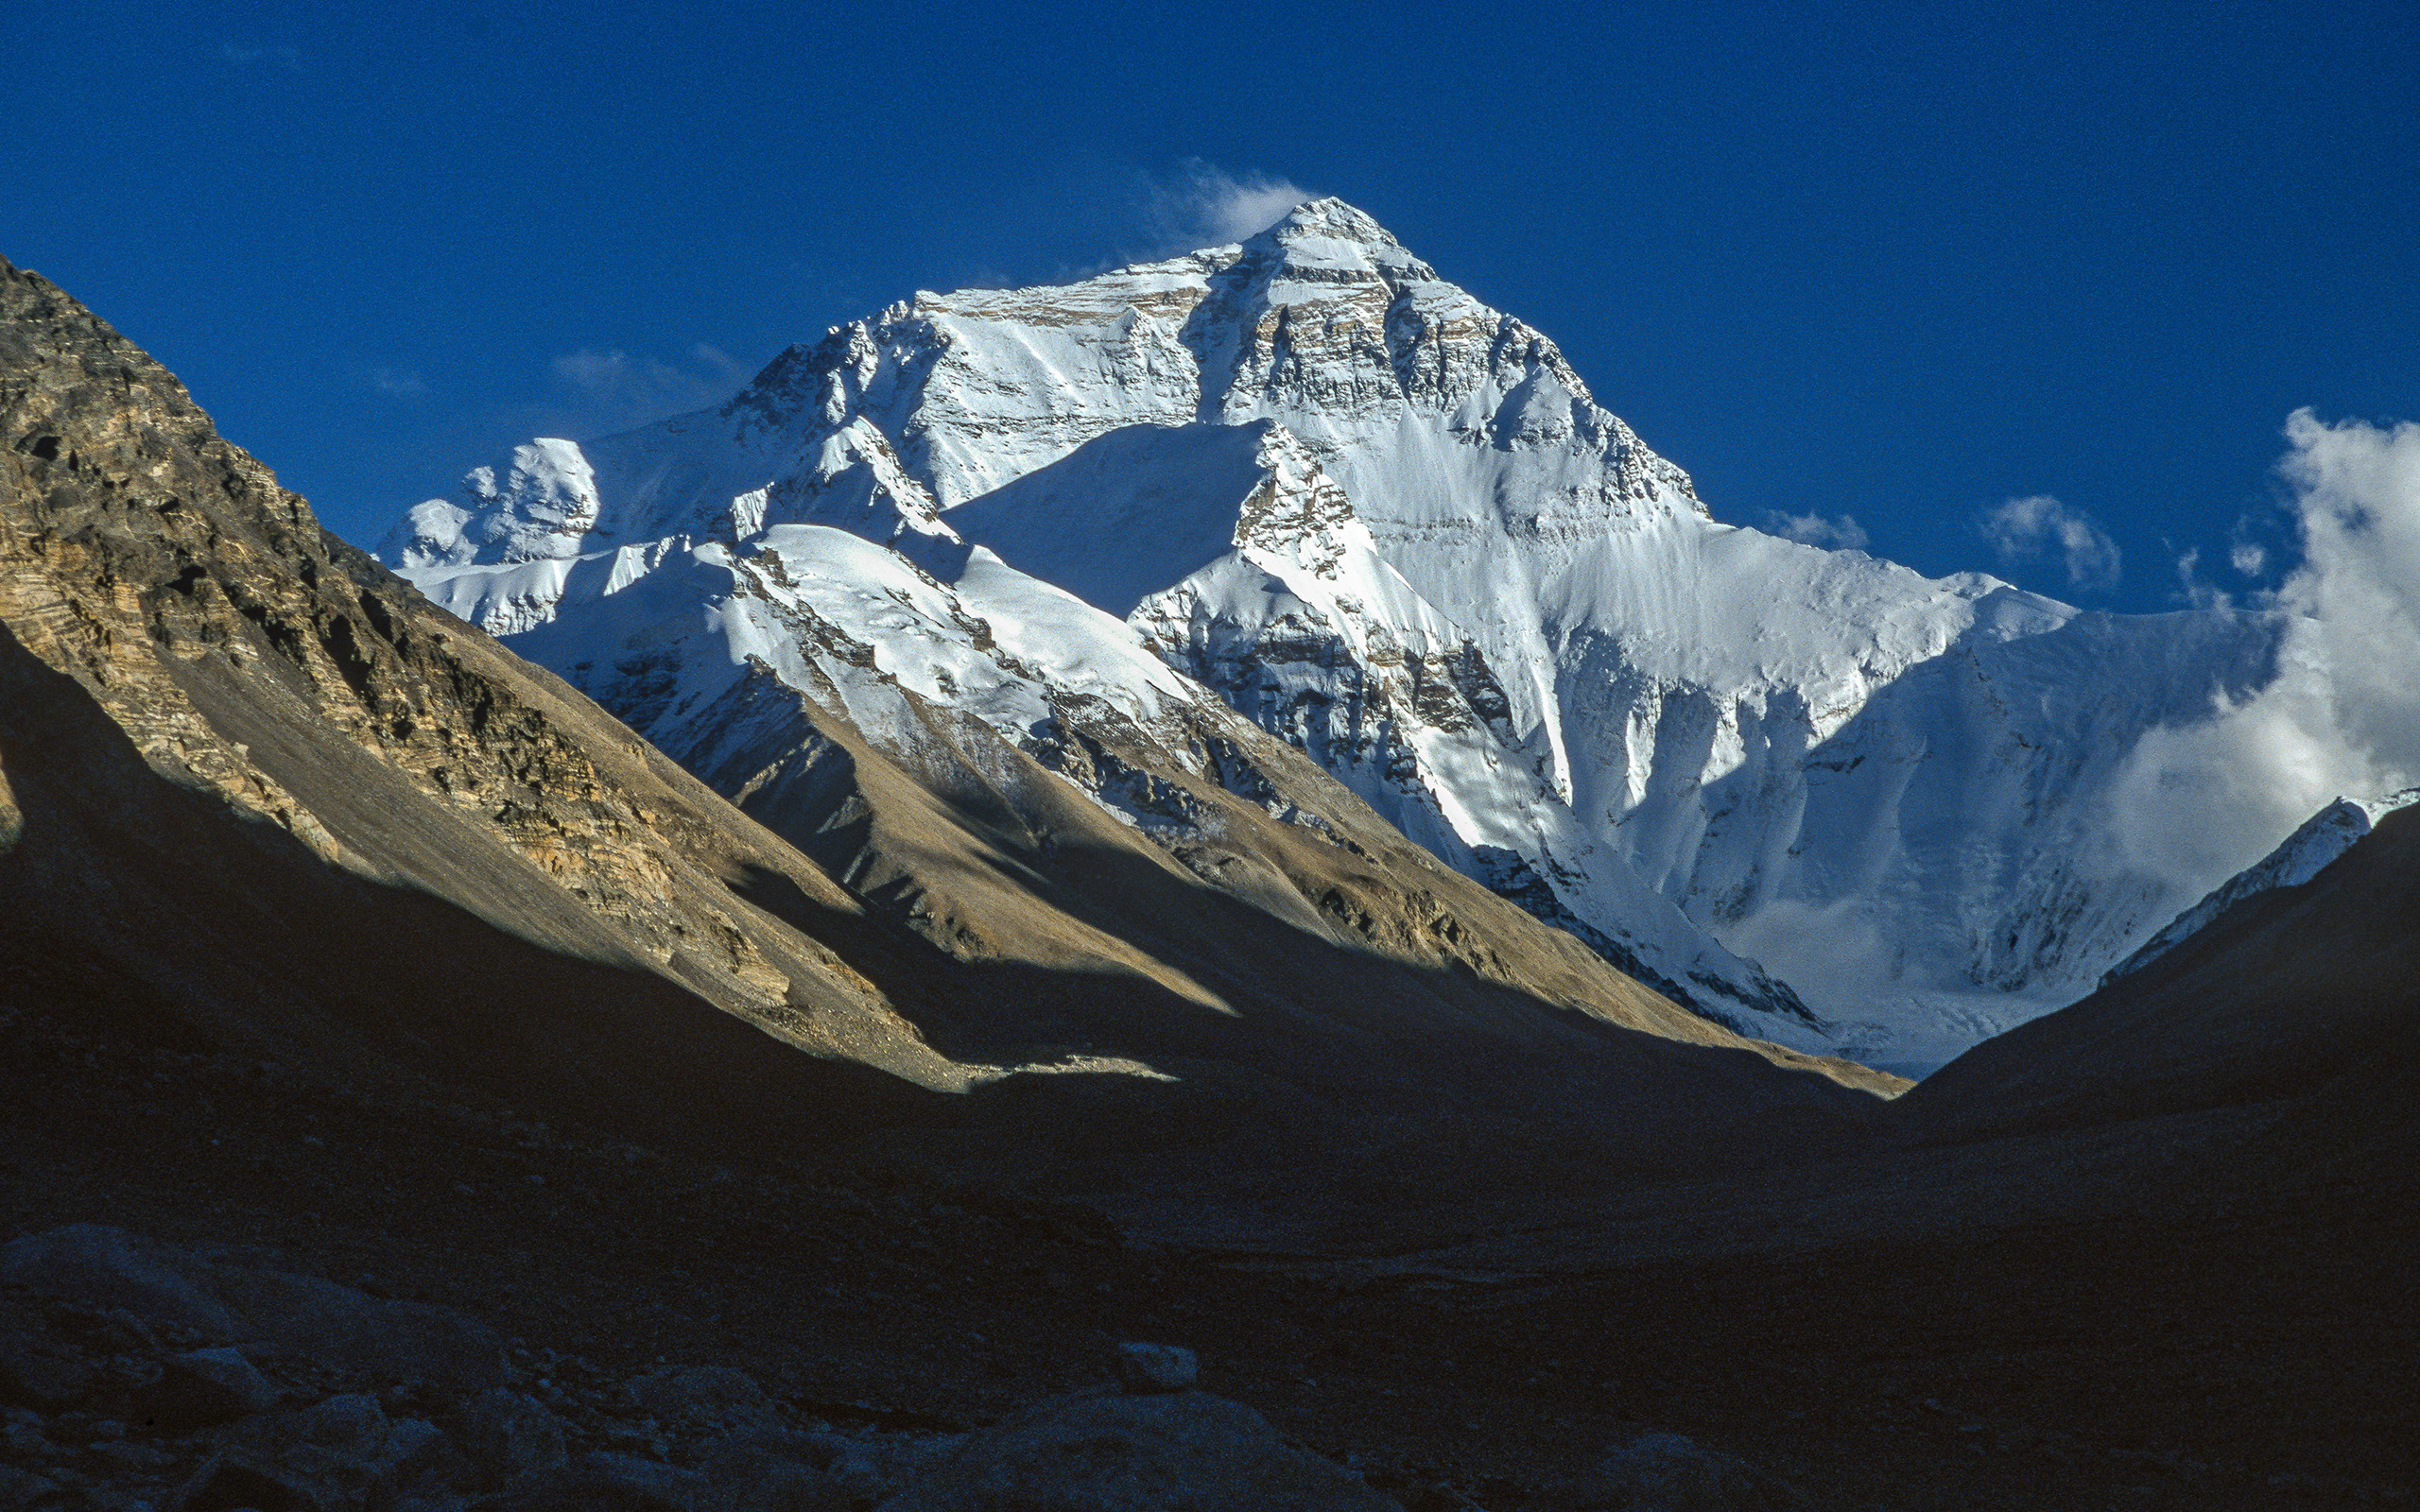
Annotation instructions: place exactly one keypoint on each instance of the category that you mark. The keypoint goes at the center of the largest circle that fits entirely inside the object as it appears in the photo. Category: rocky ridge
(175, 619)
(2294, 996)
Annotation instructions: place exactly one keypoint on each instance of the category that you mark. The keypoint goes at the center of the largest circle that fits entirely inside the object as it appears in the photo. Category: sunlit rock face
(1389, 525)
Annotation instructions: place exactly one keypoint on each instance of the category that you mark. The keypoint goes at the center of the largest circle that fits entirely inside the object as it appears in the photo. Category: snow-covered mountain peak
(1429, 409)
(1390, 524)
(539, 503)
(1331, 218)
(1328, 236)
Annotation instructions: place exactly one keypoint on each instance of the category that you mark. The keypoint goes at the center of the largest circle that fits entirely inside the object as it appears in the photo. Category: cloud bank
(2029, 529)
(2195, 804)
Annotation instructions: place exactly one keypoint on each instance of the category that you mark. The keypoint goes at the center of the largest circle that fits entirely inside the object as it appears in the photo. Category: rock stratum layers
(288, 803)
(1807, 794)
(260, 776)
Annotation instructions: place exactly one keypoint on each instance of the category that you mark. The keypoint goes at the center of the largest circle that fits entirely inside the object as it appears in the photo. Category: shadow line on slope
(262, 946)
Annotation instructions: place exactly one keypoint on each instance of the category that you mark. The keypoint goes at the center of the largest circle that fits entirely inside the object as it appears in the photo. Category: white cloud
(2358, 494)
(1844, 534)
(2196, 804)
(619, 391)
(2197, 589)
(2024, 530)
(2200, 593)
(1206, 206)
(2249, 558)
(396, 384)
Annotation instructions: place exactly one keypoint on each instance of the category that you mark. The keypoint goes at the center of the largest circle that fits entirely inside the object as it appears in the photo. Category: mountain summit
(1391, 525)
(1329, 217)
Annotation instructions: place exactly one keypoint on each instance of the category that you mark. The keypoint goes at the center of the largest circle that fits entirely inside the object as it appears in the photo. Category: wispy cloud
(288, 57)
(1204, 205)
(2192, 588)
(396, 383)
(2039, 526)
(1844, 534)
(2249, 558)
(617, 391)
(2341, 718)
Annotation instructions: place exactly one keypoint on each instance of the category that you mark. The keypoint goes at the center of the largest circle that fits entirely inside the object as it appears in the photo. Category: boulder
(1156, 1367)
(336, 1453)
(228, 1482)
(201, 1388)
(716, 1397)
(100, 1267)
(870, 1467)
(19, 1487)
(508, 1438)
(1134, 1453)
(354, 1330)
(1666, 1472)
(780, 1473)
(607, 1482)
(352, 1426)
(24, 1436)
(420, 1463)
(35, 1373)
(104, 1268)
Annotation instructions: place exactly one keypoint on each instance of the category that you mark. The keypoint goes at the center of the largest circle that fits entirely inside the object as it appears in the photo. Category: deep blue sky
(1902, 262)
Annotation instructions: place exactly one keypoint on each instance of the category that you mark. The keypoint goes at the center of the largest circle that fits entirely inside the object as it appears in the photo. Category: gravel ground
(2237, 1353)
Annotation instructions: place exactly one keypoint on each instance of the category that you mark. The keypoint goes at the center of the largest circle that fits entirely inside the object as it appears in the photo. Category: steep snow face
(659, 633)
(2299, 858)
(1389, 523)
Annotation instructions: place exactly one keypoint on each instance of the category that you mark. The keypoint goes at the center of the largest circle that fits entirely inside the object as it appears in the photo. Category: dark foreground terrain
(2218, 1346)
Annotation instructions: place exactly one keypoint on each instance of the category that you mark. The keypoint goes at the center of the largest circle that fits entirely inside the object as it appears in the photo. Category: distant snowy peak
(554, 500)
(541, 503)
(2298, 858)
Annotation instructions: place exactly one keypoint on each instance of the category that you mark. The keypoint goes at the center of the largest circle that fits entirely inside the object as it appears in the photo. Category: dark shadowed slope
(251, 770)
(2302, 995)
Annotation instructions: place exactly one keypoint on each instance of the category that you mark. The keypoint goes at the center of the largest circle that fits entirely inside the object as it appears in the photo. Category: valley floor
(2234, 1350)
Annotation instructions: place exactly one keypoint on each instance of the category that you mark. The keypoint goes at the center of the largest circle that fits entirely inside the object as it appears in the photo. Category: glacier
(1813, 795)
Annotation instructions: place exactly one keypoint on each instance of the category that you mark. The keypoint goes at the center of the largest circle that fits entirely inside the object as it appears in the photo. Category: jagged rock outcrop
(258, 774)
